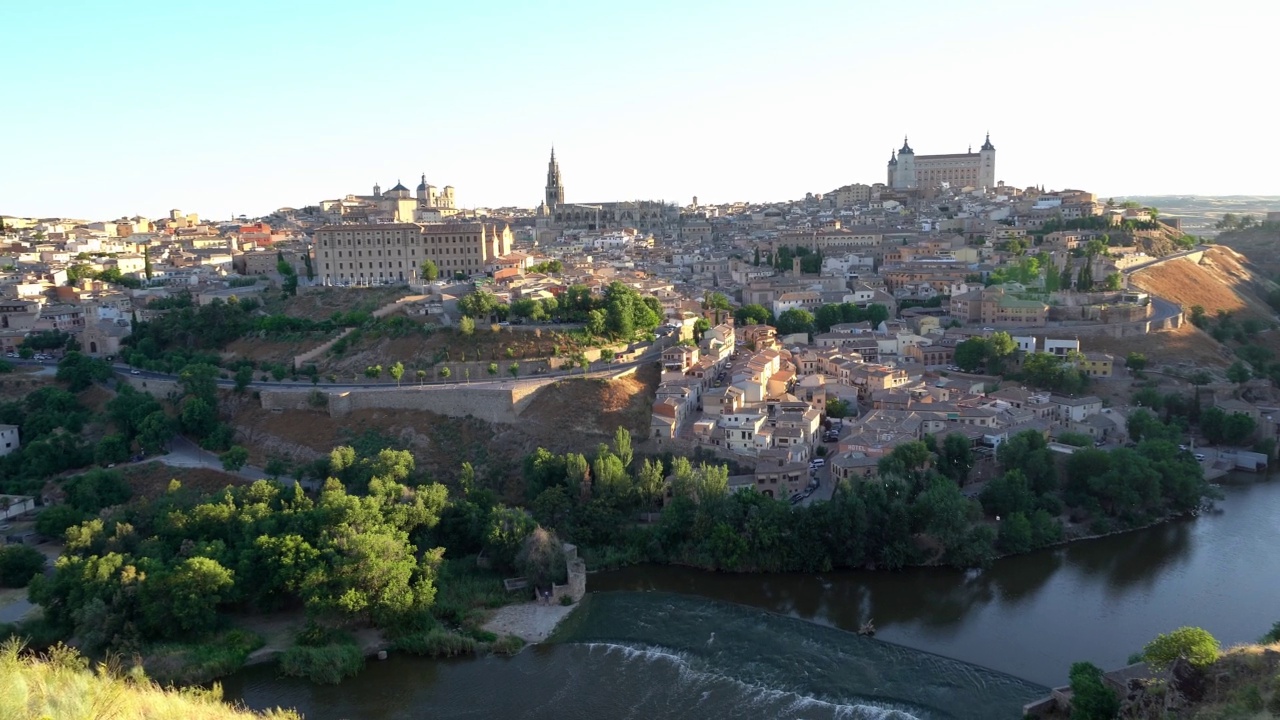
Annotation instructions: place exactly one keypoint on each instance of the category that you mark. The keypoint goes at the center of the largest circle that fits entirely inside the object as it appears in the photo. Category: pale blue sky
(131, 107)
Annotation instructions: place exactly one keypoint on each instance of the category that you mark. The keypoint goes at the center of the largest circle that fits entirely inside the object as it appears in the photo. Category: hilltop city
(936, 368)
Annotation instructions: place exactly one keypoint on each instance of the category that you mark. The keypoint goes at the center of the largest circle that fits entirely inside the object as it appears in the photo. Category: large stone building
(647, 215)
(393, 252)
(908, 171)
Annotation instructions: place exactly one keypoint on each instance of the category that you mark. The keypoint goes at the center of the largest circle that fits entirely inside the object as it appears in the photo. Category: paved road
(185, 454)
(15, 611)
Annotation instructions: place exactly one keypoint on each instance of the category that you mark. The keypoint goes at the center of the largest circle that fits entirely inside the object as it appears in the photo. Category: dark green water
(639, 651)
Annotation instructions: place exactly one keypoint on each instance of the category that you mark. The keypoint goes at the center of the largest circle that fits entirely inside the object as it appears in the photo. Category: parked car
(816, 463)
(1199, 457)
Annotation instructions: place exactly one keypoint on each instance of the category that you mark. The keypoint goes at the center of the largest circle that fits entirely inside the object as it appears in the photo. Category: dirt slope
(1222, 280)
(574, 415)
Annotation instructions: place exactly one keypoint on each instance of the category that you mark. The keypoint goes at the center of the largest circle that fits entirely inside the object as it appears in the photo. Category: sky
(241, 107)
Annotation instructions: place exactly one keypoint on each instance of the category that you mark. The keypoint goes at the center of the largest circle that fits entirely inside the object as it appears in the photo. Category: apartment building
(393, 252)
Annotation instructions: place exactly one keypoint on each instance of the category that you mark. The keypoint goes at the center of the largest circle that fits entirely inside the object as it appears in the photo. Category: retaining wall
(496, 402)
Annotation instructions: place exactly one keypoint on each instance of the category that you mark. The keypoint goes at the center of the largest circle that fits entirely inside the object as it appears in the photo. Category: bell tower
(555, 187)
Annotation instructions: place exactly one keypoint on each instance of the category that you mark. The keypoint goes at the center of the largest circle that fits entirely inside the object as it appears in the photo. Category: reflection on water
(1033, 615)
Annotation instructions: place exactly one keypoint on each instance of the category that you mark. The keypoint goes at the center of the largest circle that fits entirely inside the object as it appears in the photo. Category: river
(663, 642)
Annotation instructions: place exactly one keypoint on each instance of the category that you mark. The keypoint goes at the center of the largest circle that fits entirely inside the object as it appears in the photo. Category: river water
(662, 642)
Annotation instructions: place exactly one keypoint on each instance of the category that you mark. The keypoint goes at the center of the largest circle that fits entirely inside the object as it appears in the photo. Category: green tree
(467, 326)
(1015, 534)
(243, 376)
(430, 271)
(622, 445)
(493, 368)
(596, 322)
(193, 591)
(19, 564)
(53, 522)
(1091, 699)
(1136, 361)
(154, 433)
(514, 369)
(971, 354)
(234, 459)
(444, 373)
(373, 372)
(541, 559)
(837, 408)
(1114, 281)
(397, 372)
(111, 449)
(956, 458)
(1239, 373)
(795, 320)
(421, 375)
(146, 261)
(752, 314)
(1195, 644)
(81, 371)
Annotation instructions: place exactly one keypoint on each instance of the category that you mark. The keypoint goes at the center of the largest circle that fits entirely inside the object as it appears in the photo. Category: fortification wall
(496, 402)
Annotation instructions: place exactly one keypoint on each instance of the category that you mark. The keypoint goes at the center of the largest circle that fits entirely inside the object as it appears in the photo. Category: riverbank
(532, 622)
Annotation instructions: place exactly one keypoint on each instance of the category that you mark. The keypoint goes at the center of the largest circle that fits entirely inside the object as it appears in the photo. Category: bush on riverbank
(465, 591)
(438, 643)
(60, 685)
(195, 663)
(327, 663)
(507, 645)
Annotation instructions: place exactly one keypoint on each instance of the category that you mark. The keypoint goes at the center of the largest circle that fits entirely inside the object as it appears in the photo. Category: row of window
(444, 263)
(412, 252)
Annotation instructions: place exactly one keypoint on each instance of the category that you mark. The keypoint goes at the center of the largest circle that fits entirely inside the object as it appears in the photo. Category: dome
(399, 186)
(423, 185)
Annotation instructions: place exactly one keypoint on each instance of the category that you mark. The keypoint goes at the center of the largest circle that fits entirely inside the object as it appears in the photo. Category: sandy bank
(531, 622)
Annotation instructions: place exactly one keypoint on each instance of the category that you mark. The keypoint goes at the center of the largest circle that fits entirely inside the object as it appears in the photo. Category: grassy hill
(61, 686)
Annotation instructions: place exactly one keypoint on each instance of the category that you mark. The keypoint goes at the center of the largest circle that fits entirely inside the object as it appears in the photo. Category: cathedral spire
(987, 145)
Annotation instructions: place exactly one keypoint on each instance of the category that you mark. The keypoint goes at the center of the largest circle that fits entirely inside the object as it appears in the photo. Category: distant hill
(1260, 244)
(1199, 212)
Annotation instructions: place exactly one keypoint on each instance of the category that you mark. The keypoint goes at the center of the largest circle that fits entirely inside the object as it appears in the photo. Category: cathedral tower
(555, 189)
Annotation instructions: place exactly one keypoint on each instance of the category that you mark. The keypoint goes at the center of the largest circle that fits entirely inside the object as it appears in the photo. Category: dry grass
(259, 350)
(419, 350)
(150, 480)
(60, 686)
(322, 303)
(1222, 280)
(1186, 344)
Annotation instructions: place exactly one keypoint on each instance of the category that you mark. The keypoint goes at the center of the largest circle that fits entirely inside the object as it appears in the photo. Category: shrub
(566, 600)
(1272, 636)
(1195, 644)
(1091, 698)
(437, 643)
(53, 521)
(327, 664)
(507, 645)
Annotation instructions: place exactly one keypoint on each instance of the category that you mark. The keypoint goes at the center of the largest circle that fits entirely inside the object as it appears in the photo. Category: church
(908, 171)
(652, 216)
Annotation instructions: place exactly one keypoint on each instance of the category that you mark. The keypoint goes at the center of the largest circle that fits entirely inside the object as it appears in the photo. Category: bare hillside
(1222, 280)
(1260, 244)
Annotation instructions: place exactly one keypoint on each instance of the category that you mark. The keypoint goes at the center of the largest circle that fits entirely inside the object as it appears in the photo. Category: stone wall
(496, 402)
(159, 387)
(576, 586)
